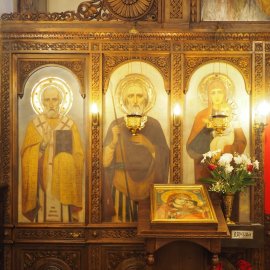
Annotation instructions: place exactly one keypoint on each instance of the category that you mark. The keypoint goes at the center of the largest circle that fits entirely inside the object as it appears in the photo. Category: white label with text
(242, 234)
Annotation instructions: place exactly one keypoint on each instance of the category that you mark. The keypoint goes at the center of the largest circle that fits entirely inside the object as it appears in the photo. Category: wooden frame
(33, 70)
(181, 204)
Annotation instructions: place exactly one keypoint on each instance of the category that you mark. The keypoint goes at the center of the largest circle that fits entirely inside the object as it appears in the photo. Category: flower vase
(228, 205)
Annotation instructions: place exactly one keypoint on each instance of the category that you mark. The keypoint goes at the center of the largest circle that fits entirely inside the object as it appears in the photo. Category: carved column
(258, 191)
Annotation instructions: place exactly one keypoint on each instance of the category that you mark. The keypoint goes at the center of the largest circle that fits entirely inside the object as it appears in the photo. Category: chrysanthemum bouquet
(230, 173)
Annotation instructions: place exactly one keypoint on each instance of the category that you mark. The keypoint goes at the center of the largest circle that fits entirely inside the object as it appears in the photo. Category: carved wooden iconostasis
(88, 55)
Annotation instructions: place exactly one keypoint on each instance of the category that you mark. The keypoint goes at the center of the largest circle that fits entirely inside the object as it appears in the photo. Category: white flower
(209, 155)
(228, 168)
(256, 164)
(245, 159)
(237, 159)
(225, 159)
(228, 171)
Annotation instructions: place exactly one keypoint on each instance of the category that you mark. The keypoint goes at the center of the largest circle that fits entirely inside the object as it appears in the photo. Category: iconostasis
(97, 106)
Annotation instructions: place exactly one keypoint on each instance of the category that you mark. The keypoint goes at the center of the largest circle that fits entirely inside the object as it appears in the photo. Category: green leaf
(208, 180)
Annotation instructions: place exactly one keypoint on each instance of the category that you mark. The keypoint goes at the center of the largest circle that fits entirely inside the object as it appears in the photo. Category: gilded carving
(226, 40)
(95, 46)
(258, 46)
(44, 46)
(5, 116)
(258, 92)
(176, 168)
(259, 75)
(259, 188)
(95, 182)
(26, 66)
(104, 10)
(129, 9)
(89, 10)
(6, 46)
(216, 46)
(40, 16)
(5, 134)
(135, 46)
(176, 9)
(113, 233)
(50, 234)
(267, 72)
(243, 63)
(267, 47)
(193, 11)
(161, 62)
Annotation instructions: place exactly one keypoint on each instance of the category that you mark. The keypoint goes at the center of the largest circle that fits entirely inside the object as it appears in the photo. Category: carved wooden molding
(95, 142)
(258, 88)
(27, 65)
(206, 40)
(242, 63)
(176, 9)
(160, 61)
(129, 10)
(5, 145)
(50, 257)
(219, 46)
(177, 131)
(94, 256)
(132, 263)
(50, 234)
(107, 234)
(116, 257)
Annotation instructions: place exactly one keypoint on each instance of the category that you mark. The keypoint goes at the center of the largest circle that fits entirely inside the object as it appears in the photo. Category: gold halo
(137, 78)
(207, 80)
(60, 85)
(164, 197)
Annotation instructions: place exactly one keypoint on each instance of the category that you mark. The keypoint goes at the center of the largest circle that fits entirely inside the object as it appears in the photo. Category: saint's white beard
(51, 113)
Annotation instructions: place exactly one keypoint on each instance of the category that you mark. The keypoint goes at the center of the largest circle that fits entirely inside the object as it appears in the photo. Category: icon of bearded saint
(52, 158)
(131, 164)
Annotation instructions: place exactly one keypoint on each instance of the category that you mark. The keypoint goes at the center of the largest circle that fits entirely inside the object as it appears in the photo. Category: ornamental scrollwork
(50, 234)
(89, 10)
(109, 233)
(25, 67)
(51, 259)
(98, 10)
(129, 9)
(128, 259)
(243, 63)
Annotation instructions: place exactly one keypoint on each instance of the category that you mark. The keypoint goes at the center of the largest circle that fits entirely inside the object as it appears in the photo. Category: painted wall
(7, 6)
